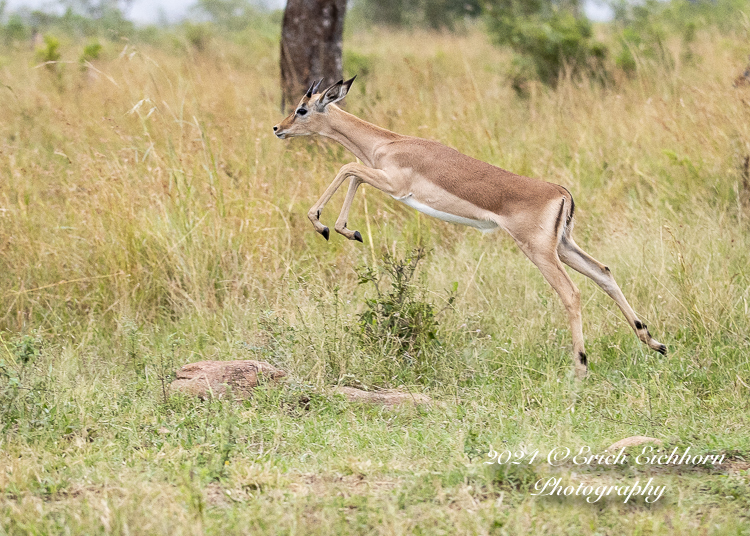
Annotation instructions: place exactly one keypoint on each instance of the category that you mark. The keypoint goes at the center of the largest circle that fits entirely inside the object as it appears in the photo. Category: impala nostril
(275, 129)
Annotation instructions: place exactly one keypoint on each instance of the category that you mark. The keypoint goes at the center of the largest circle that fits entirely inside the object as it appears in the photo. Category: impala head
(309, 117)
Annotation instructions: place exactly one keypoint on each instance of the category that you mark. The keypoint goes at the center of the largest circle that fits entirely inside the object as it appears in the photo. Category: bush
(15, 30)
(645, 28)
(19, 389)
(677, 15)
(91, 52)
(361, 64)
(643, 36)
(397, 320)
(232, 15)
(86, 21)
(50, 52)
(548, 40)
(436, 14)
(198, 35)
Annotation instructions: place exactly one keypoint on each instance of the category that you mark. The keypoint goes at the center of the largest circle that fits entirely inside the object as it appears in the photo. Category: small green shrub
(626, 59)
(521, 71)
(50, 52)
(397, 320)
(91, 52)
(26, 349)
(515, 477)
(198, 35)
(360, 64)
(18, 390)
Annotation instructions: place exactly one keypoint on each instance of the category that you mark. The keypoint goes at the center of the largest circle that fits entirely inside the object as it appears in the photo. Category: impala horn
(310, 90)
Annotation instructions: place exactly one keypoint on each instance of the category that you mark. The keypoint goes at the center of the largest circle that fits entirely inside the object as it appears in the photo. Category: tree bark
(311, 46)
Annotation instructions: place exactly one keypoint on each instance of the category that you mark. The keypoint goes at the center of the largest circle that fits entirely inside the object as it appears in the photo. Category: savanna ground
(149, 218)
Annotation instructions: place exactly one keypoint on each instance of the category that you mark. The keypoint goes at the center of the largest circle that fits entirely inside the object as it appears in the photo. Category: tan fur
(443, 182)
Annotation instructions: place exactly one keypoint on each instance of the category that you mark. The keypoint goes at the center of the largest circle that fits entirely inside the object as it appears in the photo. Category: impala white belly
(482, 225)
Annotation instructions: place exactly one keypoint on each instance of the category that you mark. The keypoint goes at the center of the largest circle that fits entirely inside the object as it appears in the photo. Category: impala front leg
(359, 174)
(314, 213)
(341, 222)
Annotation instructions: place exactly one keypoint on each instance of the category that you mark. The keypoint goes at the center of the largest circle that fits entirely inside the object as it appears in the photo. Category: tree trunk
(311, 46)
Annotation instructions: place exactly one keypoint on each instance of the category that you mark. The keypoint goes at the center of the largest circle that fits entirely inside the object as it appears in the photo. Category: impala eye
(301, 111)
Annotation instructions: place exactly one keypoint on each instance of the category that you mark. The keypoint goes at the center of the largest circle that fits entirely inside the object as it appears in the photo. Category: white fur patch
(482, 225)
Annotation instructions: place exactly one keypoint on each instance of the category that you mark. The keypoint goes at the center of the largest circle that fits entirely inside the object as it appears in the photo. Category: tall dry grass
(149, 185)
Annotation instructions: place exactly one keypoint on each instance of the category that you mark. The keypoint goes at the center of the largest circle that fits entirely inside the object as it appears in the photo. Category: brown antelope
(441, 182)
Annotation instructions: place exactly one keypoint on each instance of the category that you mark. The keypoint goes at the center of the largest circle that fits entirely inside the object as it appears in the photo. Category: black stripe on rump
(559, 218)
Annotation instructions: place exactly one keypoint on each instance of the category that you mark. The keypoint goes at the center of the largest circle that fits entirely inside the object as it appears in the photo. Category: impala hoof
(326, 233)
(581, 372)
(662, 349)
(357, 236)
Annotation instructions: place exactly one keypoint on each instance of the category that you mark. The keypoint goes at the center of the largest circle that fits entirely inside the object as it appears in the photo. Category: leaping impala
(441, 182)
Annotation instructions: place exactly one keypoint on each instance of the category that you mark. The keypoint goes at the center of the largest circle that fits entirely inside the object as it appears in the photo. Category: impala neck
(358, 136)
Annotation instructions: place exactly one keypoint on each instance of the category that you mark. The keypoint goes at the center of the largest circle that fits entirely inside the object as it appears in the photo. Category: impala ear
(335, 93)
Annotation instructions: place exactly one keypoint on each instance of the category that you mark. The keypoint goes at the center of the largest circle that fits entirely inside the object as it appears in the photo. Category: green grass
(149, 218)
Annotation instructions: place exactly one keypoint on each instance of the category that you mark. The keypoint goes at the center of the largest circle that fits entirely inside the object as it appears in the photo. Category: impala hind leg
(582, 262)
(553, 271)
